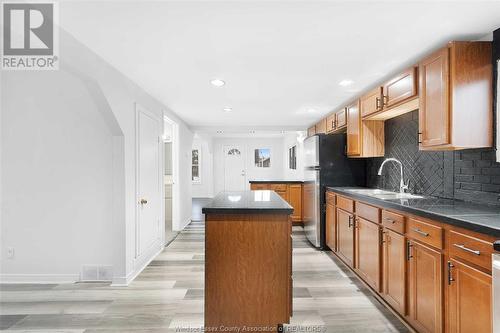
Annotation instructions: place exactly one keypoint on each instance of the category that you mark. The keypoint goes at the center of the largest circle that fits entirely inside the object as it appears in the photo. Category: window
(292, 158)
(263, 158)
(195, 165)
(233, 152)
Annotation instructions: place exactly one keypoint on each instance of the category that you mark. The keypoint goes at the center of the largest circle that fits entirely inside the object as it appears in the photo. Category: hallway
(168, 295)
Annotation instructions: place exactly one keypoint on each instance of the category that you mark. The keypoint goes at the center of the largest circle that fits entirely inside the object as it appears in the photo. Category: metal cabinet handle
(350, 221)
(408, 250)
(418, 231)
(385, 99)
(419, 135)
(377, 103)
(465, 248)
(389, 220)
(450, 277)
(143, 201)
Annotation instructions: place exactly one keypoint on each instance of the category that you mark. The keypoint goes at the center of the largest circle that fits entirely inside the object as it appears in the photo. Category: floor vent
(96, 273)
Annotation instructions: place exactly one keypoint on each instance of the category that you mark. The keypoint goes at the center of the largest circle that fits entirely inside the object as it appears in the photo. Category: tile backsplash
(471, 175)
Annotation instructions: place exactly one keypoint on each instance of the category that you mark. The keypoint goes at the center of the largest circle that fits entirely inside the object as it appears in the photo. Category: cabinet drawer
(393, 221)
(426, 233)
(259, 187)
(471, 249)
(330, 198)
(368, 212)
(345, 204)
(278, 187)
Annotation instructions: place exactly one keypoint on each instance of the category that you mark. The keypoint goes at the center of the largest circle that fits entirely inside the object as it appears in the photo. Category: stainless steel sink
(383, 194)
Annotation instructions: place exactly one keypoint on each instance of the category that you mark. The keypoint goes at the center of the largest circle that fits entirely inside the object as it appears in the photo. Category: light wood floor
(168, 295)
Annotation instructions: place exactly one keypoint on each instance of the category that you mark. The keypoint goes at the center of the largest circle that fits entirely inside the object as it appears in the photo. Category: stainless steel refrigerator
(326, 164)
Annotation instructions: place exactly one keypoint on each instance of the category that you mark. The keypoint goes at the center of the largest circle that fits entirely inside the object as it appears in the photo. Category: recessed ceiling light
(217, 82)
(227, 109)
(345, 83)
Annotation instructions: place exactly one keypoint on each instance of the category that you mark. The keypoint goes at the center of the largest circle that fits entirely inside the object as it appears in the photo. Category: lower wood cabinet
(331, 226)
(394, 270)
(367, 252)
(345, 236)
(469, 299)
(425, 288)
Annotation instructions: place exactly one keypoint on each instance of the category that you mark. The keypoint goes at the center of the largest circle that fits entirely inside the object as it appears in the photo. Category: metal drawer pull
(389, 220)
(418, 231)
(463, 247)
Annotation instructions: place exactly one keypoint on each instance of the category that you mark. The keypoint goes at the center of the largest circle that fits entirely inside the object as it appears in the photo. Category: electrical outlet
(10, 252)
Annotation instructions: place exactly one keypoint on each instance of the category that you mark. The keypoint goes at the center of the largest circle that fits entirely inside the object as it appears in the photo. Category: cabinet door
(353, 130)
(295, 200)
(434, 112)
(331, 227)
(368, 252)
(311, 131)
(283, 194)
(400, 88)
(345, 236)
(469, 299)
(371, 102)
(425, 283)
(321, 126)
(394, 270)
(340, 119)
(330, 123)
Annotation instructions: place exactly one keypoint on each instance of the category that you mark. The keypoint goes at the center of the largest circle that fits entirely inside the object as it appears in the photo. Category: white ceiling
(279, 59)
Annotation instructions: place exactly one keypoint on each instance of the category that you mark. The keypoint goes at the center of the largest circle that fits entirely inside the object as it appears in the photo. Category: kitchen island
(248, 262)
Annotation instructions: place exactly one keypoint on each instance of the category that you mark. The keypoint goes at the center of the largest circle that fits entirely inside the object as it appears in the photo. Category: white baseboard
(39, 278)
(122, 281)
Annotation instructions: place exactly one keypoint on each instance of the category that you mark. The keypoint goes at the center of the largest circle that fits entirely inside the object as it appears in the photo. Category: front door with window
(234, 169)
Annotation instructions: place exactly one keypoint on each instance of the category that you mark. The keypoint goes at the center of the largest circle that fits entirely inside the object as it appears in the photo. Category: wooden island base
(248, 266)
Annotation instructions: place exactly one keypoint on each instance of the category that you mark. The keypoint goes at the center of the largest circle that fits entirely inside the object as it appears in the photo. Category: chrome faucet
(403, 188)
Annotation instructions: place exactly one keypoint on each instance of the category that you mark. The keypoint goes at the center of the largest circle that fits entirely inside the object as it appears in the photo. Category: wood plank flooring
(168, 297)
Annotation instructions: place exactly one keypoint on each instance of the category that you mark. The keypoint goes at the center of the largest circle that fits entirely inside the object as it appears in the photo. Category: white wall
(275, 172)
(204, 189)
(68, 169)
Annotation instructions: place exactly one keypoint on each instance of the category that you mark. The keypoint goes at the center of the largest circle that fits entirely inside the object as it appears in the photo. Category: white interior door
(148, 181)
(234, 169)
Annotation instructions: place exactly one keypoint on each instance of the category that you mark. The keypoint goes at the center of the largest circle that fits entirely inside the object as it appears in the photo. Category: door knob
(143, 201)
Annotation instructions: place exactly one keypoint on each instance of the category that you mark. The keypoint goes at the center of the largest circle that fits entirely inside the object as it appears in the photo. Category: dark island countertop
(480, 218)
(275, 181)
(247, 202)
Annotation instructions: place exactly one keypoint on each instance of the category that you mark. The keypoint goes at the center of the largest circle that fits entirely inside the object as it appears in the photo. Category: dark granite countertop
(247, 202)
(275, 181)
(476, 217)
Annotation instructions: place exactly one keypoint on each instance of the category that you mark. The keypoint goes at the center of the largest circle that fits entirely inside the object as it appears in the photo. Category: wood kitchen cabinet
(295, 200)
(400, 88)
(425, 288)
(394, 270)
(367, 252)
(371, 102)
(321, 126)
(337, 121)
(469, 299)
(365, 138)
(345, 236)
(290, 192)
(311, 131)
(455, 103)
(331, 226)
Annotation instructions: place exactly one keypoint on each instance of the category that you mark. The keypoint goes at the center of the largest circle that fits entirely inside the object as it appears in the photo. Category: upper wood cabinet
(365, 138)
(321, 126)
(371, 102)
(400, 88)
(353, 130)
(341, 119)
(469, 299)
(425, 288)
(330, 123)
(311, 130)
(455, 87)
